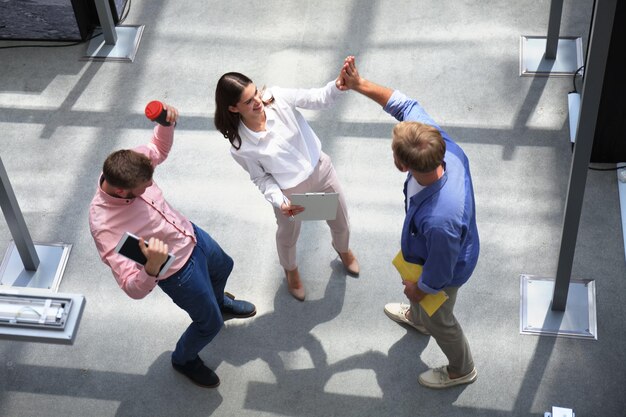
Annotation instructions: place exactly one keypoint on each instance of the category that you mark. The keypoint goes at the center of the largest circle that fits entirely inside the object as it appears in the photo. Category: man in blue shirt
(439, 230)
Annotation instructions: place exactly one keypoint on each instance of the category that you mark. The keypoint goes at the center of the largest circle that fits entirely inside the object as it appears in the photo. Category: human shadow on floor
(285, 330)
(160, 392)
(302, 387)
(316, 392)
(397, 376)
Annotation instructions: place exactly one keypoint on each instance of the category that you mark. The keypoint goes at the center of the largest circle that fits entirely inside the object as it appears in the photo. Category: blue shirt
(439, 230)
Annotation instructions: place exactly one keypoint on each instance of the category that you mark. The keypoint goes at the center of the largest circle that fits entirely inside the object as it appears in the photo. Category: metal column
(599, 43)
(28, 280)
(119, 44)
(554, 26)
(17, 225)
(33, 265)
(540, 313)
(551, 55)
(106, 21)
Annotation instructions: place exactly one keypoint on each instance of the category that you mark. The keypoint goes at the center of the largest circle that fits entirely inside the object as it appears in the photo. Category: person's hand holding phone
(156, 254)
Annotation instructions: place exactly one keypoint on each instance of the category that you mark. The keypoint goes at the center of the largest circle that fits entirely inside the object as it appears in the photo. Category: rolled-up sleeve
(131, 278)
(443, 251)
(160, 145)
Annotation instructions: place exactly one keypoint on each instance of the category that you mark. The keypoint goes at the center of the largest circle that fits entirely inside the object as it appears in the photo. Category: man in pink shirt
(127, 200)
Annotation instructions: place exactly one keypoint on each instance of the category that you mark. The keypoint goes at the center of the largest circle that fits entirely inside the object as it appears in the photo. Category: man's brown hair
(418, 146)
(127, 169)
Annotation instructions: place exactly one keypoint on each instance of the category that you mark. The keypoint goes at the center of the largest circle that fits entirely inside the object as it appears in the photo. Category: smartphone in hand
(128, 246)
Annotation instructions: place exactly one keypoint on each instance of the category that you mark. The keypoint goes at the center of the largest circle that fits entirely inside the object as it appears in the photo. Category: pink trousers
(323, 179)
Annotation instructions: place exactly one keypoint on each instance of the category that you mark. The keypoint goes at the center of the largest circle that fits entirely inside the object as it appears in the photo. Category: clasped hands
(349, 77)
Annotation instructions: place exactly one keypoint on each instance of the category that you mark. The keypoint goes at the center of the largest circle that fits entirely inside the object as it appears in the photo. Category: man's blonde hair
(418, 146)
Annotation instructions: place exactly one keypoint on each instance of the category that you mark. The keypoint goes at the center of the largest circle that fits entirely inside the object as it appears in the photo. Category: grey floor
(336, 354)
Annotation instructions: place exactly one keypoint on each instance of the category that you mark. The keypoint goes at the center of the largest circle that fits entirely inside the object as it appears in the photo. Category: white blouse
(286, 153)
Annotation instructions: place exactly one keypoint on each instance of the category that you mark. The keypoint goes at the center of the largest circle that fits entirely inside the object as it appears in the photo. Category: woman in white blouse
(272, 141)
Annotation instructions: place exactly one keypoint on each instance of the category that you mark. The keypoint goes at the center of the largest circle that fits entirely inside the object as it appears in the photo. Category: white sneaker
(438, 378)
(399, 313)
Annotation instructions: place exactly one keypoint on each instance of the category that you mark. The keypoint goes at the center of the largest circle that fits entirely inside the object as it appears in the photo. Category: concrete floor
(336, 354)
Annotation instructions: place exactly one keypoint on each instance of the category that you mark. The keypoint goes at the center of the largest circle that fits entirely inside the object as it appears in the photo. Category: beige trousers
(447, 332)
(323, 179)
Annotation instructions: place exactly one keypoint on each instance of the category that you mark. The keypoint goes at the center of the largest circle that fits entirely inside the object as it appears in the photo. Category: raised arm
(162, 138)
(350, 79)
(398, 105)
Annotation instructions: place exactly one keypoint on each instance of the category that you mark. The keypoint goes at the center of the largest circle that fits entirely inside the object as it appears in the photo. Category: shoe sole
(226, 315)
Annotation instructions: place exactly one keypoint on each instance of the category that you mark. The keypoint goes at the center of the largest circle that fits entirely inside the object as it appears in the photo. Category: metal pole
(599, 42)
(554, 25)
(17, 225)
(106, 21)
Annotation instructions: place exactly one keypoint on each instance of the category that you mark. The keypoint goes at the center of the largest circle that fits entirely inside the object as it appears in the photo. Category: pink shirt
(148, 215)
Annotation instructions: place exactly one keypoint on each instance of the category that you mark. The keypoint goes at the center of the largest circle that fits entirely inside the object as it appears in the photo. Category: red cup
(157, 113)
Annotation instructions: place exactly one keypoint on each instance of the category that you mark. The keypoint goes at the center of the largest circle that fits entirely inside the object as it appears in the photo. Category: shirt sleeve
(131, 277)
(443, 247)
(160, 145)
(264, 181)
(313, 98)
(407, 109)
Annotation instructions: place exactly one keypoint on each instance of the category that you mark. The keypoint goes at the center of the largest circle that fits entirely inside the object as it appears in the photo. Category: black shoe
(198, 373)
(237, 308)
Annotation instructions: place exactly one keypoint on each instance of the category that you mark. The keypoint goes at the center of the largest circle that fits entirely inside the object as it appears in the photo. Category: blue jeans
(198, 288)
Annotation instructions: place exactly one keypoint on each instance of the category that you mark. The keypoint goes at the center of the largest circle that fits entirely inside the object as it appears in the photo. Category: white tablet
(129, 247)
(317, 206)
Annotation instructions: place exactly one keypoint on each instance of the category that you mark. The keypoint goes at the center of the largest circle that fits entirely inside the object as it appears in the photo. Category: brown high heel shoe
(349, 262)
(294, 285)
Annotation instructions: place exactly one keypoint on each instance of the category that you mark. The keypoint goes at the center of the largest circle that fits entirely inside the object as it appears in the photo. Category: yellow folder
(412, 272)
